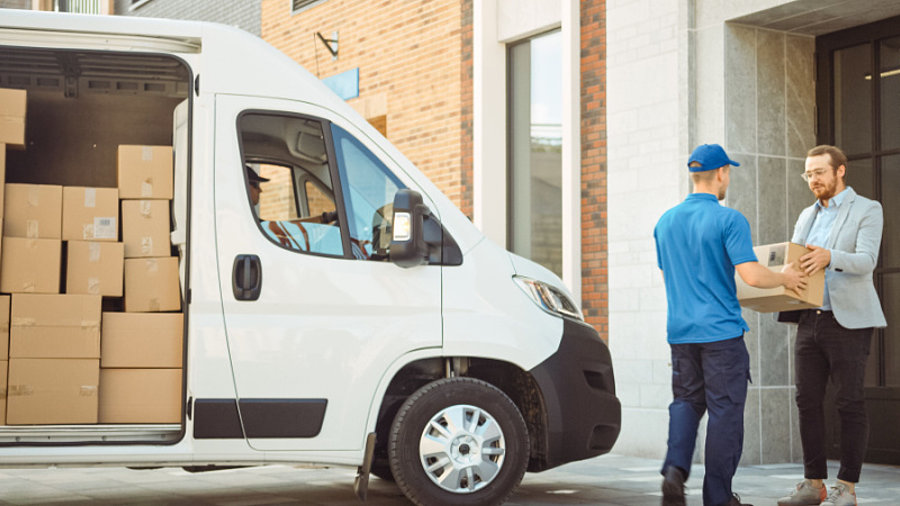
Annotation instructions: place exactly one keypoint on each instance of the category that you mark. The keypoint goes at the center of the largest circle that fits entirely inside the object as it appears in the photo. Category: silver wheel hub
(462, 448)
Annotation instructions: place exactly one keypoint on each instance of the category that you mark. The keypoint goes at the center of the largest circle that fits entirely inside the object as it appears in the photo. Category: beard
(721, 194)
(825, 191)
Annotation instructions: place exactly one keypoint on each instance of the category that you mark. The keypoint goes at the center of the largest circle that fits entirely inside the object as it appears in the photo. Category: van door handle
(246, 277)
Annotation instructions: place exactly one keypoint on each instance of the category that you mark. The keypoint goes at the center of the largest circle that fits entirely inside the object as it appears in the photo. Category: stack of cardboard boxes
(12, 132)
(140, 360)
(67, 356)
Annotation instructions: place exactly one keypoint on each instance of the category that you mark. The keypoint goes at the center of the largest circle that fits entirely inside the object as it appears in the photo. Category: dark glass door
(858, 102)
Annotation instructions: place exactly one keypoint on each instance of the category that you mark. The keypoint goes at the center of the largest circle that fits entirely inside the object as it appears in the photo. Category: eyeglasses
(813, 174)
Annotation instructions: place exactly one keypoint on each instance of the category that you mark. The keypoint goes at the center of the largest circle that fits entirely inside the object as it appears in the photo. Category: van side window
(289, 182)
(369, 189)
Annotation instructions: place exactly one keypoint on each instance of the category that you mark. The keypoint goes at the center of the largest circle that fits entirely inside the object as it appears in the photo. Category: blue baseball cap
(710, 157)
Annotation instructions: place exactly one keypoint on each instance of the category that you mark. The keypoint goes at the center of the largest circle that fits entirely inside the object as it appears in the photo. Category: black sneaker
(736, 501)
(673, 487)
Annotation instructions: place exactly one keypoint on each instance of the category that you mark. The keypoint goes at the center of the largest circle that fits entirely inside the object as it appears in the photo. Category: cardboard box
(52, 391)
(769, 300)
(30, 265)
(4, 368)
(145, 228)
(152, 285)
(54, 326)
(90, 214)
(4, 327)
(95, 268)
(12, 117)
(33, 211)
(141, 340)
(140, 396)
(2, 180)
(145, 172)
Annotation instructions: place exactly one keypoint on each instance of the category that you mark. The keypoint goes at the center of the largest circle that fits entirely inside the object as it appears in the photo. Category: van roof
(81, 28)
(228, 59)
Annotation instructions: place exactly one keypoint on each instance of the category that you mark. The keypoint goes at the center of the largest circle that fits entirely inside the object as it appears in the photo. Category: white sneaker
(840, 496)
(805, 494)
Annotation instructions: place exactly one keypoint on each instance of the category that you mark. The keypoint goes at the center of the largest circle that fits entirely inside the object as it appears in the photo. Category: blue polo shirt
(698, 243)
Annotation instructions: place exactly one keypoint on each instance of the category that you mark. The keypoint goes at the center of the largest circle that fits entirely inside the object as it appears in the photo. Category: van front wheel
(458, 441)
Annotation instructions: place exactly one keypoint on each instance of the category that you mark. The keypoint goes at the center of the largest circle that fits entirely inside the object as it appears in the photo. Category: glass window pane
(317, 202)
(276, 198)
(369, 189)
(859, 176)
(853, 99)
(890, 190)
(890, 93)
(535, 174)
(891, 303)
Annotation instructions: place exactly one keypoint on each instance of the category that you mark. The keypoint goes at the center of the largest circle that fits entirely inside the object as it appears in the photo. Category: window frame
(305, 4)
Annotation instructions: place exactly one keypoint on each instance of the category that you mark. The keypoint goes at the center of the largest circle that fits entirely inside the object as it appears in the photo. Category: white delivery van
(347, 314)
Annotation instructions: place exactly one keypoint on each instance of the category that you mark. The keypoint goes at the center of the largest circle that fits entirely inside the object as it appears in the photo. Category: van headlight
(549, 298)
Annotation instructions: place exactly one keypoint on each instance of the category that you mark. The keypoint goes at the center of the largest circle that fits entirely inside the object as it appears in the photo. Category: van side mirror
(408, 247)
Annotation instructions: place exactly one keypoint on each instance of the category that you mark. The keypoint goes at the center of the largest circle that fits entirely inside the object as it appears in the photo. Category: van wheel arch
(516, 383)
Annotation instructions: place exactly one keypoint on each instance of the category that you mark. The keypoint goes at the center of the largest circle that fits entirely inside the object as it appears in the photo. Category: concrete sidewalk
(606, 480)
(615, 479)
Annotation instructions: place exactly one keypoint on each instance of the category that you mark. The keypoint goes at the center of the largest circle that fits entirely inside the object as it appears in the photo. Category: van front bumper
(583, 415)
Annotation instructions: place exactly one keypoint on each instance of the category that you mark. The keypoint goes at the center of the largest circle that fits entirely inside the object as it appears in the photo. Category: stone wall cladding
(595, 288)
(409, 54)
(244, 14)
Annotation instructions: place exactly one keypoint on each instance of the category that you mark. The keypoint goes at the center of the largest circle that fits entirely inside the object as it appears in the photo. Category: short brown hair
(705, 176)
(838, 157)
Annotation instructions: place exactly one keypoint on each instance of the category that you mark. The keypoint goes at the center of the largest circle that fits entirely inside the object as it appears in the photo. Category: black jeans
(826, 350)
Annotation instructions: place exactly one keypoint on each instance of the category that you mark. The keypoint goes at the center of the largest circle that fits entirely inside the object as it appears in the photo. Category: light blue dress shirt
(821, 229)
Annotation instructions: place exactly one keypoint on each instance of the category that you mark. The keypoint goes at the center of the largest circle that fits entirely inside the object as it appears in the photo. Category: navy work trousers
(826, 349)
(709, 377)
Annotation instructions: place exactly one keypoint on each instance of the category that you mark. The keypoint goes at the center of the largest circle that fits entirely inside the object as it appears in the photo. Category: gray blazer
(854, 242)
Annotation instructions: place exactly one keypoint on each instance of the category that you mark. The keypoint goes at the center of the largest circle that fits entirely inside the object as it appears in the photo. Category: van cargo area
(82, 108)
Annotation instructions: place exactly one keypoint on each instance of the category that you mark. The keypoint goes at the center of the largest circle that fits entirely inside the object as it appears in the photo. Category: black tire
(465, 396)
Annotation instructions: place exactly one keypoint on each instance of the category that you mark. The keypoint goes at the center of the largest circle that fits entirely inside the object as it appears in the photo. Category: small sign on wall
(345, 84)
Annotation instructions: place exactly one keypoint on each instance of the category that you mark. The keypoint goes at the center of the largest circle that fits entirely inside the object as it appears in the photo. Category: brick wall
(276, 201)
(467, 161)
(243, 14)
(409, 55)
(595, 287)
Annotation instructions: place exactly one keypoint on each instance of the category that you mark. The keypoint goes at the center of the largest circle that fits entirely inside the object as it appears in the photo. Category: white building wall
(647, 97)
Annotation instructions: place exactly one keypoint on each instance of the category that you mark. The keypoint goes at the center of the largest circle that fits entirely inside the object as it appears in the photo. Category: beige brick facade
(409, 56)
